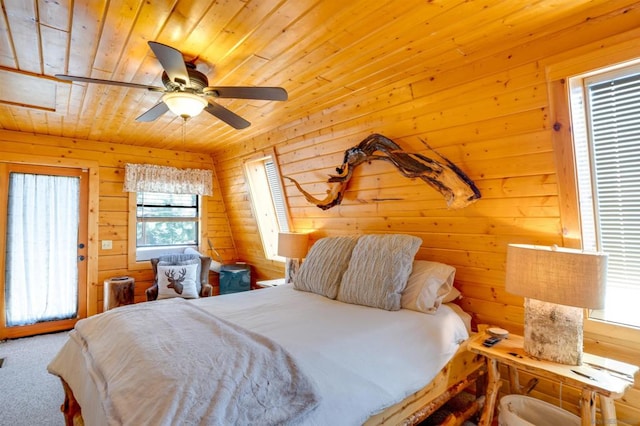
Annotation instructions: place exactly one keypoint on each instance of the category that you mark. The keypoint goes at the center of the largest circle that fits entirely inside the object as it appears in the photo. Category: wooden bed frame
(464, 369)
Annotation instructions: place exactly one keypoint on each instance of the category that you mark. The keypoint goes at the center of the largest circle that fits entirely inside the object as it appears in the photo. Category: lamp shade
(556, 274)
(293, 245)
(186, 105)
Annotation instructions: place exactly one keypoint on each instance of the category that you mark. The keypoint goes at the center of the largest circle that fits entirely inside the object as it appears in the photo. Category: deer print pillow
(177, 281)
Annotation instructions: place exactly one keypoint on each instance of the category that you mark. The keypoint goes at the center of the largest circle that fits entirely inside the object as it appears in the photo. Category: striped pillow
(323, 267)
(378, 271)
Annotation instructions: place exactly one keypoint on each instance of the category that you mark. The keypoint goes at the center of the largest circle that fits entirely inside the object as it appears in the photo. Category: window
(268, 202)
(605, 110)
(165, 223)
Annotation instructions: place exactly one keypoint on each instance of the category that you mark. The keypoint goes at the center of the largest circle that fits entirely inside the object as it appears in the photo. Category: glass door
(44, 280)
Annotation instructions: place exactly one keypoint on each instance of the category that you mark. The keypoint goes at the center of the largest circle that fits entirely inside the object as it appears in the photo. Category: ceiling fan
(187, 91)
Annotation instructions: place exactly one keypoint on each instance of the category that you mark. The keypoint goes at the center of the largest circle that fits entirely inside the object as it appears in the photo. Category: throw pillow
(428, 285)
(324, 265)
(177, 281)
(453, 295)
(189, 259)
(378, 271)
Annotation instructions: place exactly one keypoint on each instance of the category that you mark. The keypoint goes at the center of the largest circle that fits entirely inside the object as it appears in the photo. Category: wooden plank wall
(488, 112)
(114, 203)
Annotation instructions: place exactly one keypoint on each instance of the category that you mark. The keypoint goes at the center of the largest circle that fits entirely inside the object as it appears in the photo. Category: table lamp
(557, 284)
(294, 247)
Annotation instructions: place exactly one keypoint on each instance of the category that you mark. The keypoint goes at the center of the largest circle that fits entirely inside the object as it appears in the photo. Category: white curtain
(150, 178)
(42, 236)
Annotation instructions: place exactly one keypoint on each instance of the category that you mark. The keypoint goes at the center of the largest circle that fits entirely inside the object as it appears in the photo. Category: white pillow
(177, 276)
(453, 295)
(428, 285)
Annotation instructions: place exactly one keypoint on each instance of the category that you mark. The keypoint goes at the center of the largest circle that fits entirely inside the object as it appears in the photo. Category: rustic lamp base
(553, 332)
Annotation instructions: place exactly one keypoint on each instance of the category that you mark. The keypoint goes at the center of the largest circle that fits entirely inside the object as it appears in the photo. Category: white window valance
(151, 178)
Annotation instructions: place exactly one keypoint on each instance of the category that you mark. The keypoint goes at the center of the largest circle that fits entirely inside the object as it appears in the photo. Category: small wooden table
(118, 291)
(606, 378)
(270, 283)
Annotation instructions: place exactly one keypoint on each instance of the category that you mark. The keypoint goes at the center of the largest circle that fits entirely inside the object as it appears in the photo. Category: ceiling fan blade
(110, 82)
(154, 112)
(172, 61)
(228, 116)
(241, 92)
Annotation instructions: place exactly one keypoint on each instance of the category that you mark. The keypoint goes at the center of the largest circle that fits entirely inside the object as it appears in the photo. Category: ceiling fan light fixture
(185, 90)
(185, 105)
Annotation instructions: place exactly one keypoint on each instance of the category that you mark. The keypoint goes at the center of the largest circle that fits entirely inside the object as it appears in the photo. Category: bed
(360, 364)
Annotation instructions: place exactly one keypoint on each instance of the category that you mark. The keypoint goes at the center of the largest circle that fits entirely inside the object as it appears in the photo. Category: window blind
(277, 196)
(614, 107)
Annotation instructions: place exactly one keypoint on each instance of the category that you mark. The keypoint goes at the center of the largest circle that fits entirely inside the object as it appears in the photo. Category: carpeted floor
(29, 395)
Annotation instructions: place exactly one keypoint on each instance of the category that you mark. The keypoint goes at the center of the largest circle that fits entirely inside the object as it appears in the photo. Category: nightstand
(597, 376)
(269, 283)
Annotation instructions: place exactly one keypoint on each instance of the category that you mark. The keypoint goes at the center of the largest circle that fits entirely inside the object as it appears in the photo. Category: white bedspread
(199, 369)
(360, 359)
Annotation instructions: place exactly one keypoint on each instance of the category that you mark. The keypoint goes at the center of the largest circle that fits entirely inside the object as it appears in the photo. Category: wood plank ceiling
(320, 51)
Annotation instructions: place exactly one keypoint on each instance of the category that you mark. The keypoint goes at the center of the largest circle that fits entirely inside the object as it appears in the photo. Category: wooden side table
(269, 283)
(597, 376)
(118, 291)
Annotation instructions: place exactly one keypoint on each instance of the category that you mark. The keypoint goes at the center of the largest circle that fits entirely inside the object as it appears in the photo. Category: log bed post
(70, 407)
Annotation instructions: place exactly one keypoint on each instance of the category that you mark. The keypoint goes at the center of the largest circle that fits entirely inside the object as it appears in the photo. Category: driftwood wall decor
(458, 190)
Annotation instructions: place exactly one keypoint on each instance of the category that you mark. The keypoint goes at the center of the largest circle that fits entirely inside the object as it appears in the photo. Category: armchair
(204, 289)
